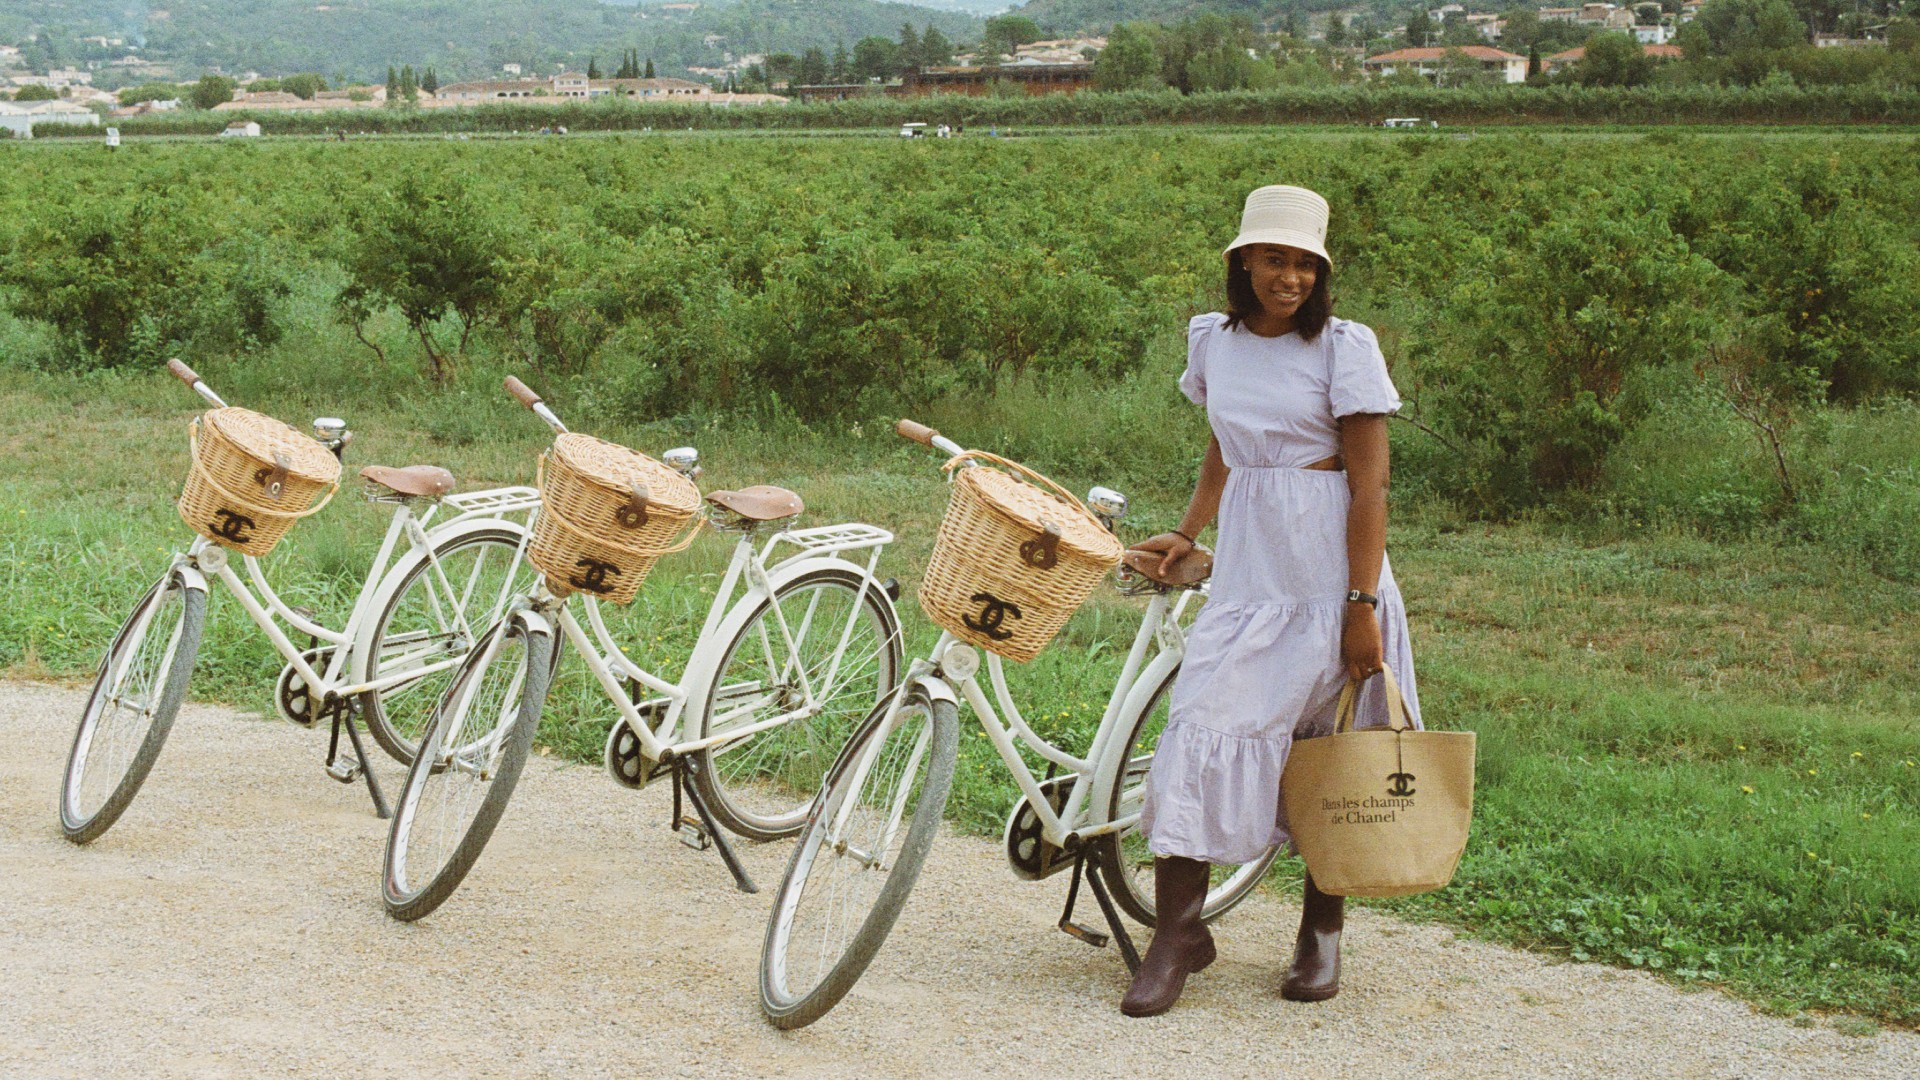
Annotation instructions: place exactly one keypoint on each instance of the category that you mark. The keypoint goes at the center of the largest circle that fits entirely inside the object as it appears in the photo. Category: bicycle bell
(1108, 505)
(331, 432)
(684, 460)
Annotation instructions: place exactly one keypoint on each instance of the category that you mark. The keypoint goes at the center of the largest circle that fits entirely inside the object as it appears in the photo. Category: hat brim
(1289, 237)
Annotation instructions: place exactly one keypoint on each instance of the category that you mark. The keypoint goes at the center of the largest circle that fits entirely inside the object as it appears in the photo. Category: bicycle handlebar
(926, 436)
(532, 401)
(187, 375)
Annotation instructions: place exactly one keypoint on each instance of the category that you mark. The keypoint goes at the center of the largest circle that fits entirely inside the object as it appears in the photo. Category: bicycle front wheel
(859, 854)
(433, 617)
(136, 695)
(846, 652)
(469, 761)
(1125, 863)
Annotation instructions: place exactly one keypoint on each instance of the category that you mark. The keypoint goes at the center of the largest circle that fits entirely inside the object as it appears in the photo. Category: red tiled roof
(1475, 52)
(1575, 55)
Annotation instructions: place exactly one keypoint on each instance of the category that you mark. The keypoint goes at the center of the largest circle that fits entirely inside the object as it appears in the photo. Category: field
(1692, 682)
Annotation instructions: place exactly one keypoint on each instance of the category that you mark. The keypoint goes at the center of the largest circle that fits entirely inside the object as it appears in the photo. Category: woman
(1302, 599)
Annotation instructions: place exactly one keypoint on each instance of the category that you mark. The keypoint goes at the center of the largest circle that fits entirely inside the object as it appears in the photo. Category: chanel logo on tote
(231, 526)
(594, 579)
(1400, 784)
(993, 612)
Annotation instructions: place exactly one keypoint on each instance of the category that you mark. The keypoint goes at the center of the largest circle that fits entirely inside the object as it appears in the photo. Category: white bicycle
(793, 653)
(868, 834)
(422, 605)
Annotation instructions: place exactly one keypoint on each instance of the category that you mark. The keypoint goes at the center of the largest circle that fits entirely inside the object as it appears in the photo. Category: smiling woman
(1302, 599)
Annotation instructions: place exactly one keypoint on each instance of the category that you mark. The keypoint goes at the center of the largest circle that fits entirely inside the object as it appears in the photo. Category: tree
(1007, 33)
(153, 91)
(935, 49)
(305, 86)
(409, 85)
(1727, 26)
(1336, 30)
(842, 70)
(593, 68)
(812, 70)
(429, 249)
(909, 58)
(40, 93)
(781, 68)
(1533, 63)
(1129, 62)
(393, 85)
(649, 73)
(874, 58)
(430, 82)
(211, 90)
(1420, 31)
(1614, 59)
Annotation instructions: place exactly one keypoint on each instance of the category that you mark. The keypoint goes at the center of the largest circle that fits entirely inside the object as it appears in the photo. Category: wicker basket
(252, 478)
(1014, 560)
(607, 514)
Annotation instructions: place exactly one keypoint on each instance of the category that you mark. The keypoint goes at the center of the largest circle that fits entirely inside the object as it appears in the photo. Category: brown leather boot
(1182, 944)
(1315, 974)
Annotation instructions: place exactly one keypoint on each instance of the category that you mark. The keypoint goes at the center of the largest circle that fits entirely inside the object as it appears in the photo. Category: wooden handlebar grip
(182, 372)
(523, 392)
(919, 433)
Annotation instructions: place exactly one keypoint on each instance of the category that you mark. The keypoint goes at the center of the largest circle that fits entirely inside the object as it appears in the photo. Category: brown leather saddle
(1188, 570)
(413, 481)
(762, 502)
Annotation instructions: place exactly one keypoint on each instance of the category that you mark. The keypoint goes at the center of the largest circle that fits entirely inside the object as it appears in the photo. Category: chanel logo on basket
(1399, 784)
(594, 578)
(231, 526)
(993, 612)
(1373, 809)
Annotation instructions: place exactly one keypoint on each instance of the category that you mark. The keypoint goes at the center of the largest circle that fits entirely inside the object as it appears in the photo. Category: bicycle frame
(749, 575)
(344, 672)
(953, 666)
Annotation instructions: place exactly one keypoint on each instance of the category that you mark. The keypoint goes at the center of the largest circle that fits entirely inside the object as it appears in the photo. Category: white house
(1653, 35)
(247, 129)
(1431, 62)
(20, 117)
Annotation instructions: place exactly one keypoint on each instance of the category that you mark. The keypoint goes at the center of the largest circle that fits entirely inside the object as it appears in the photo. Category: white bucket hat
(1279, 214)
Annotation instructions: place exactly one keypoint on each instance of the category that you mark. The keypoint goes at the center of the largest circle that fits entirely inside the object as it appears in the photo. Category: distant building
(245, 129)
(567, 87)
(510, 69)
(1034, 77)
(1430, 62)
(1841, 41)
(20, 117)
(1658, 34)
(1562, 60)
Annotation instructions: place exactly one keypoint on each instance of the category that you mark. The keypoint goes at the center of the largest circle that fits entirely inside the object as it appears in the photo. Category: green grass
(1698, 755)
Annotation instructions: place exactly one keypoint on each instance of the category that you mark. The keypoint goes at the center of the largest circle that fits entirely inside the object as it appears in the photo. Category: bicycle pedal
(344, 770)
(693, 833)
(1092, 937)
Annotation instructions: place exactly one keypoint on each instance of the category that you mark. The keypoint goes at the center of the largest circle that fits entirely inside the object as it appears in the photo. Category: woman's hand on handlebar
(1172, 548)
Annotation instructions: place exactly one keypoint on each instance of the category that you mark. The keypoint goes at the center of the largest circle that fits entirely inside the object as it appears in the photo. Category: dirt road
(230, 925)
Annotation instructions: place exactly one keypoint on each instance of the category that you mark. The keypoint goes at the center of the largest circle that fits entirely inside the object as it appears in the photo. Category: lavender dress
(1263, 658)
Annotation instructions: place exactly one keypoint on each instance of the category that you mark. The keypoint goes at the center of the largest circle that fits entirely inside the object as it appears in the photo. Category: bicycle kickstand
(701, 832)
(1087, 865)
(343, 712)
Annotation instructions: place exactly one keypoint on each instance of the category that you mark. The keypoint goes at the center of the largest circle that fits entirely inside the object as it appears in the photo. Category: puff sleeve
(1200, 331)
(1359, 382)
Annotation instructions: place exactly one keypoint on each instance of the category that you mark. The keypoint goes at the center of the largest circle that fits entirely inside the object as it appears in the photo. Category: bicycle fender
(701, 667)
(191, 577)
(389, 584)
(936, 689)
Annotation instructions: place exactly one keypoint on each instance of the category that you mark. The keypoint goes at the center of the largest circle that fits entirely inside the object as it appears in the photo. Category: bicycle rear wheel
(426, 621)
(142, 681)
(761, 785)
(469, 761)
(859, 854)
(1126, 864)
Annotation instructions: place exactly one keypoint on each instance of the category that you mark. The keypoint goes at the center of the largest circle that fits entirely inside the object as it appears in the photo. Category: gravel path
(230, 925)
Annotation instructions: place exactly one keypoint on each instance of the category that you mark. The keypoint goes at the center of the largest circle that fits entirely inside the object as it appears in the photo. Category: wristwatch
(1364, 598)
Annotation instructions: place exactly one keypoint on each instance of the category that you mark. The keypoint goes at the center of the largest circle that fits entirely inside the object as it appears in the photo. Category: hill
(359, 39)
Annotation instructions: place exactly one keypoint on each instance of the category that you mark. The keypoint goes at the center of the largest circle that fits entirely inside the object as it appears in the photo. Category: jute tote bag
(1382, 812)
